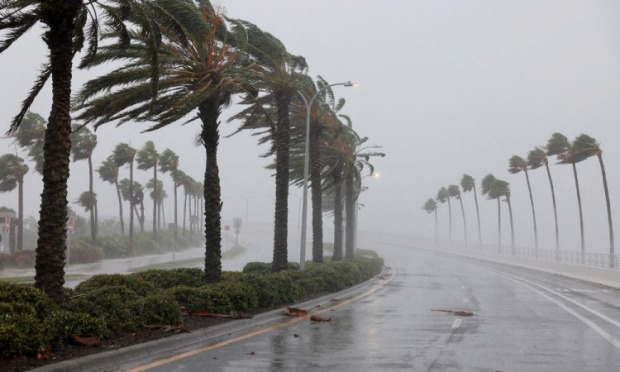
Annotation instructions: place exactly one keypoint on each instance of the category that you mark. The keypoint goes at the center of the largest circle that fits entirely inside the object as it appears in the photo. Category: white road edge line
(457, 323)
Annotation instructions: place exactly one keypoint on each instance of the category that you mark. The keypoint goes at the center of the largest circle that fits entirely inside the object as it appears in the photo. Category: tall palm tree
(83, 143)
(124, 155)
(108, 171)
(88, 201)
(516, 165)
(431, 207)
(469, 184)
(559, 146)
(157, 194)
(502, 188)
(12, 172)
(488, 188)
(536, 159)
(278, 75)
(169, 163)
(30, 136)
(134, 188)
(199, 70)
(147, 158)
(442, 197)
(455, 192)
(584, 147)
(67, 31)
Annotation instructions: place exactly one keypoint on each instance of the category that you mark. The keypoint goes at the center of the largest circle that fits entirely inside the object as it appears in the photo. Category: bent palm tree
(516, 165)
(431, 207)
(124, 155)
(585, 146)
(67, 31)
(108, 171)
(455, 192)
(88, 201)
(169, 162)
(536, 159)
(488, 188)
(469, 184)
(442, 197)
(30, 136)
(147, 158)
(199, 69)
(559, 146)
(83, 143)
(12, 172)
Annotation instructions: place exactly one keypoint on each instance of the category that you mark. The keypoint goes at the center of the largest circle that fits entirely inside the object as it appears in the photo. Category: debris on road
(295, 312)
(316, 318)
(456, 312)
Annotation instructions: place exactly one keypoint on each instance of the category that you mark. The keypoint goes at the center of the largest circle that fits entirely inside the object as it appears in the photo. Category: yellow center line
(263, 330)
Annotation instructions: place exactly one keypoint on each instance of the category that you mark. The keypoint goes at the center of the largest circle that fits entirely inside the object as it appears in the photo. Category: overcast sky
(448, 87)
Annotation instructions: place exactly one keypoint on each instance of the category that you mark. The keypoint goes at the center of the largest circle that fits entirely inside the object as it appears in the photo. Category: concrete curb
(136, 355)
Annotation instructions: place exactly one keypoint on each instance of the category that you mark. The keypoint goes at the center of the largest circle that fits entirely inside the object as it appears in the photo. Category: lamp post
(304, 208)
(298, 209)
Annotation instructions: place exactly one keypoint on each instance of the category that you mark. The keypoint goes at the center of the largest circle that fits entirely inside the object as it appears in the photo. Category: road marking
(580, 317)
(457, 323)
(263, 330)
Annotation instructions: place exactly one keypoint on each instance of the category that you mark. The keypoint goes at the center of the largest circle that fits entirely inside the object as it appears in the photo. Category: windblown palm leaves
(496, 189)
(147, 158)
(431, 207)
(30, 136)
(536, 159)
(12, 172)
(124, 155)
(469, 184)
(516, 165)
(83, 143)
(169, 163)
(108, 171)
(200, 68)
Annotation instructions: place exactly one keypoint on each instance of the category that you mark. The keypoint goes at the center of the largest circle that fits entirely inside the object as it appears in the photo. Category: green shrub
(113, 246)
(26, 294)
(369, 267)
(192, 277)
(85, 255)
(241, 296)
(257, 267)
(136, 284)
(349, 272)
(259, 285)
(160, 309)
(11, 309)
(117, 305)
(61, 325)
(326, 273)
(283, 287)
(202, 299)
(21, 335)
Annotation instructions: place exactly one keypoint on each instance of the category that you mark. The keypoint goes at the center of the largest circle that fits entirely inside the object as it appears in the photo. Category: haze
(448, 87)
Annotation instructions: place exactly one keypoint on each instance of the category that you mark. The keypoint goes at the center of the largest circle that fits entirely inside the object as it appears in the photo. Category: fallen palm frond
(456, 312)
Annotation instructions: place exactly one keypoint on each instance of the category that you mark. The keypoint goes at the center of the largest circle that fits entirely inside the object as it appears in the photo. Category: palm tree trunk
(337, 214)
(209, 112)
(350, 215)
(529, 188)
(176, 222)
(93, 223)
(132, 206)
(282, 143)
(184, 211)
(120, 206)
(583, 241)
(512, 226)
(450, 222)
(464, 221)
(609, 222)
(155, 199)
(555, 212)
(20, 217)
(499, 226)
(59, 16)
(317, 192)
(478, 216)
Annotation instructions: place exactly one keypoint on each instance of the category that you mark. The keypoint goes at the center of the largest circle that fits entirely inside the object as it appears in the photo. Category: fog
(448, 87)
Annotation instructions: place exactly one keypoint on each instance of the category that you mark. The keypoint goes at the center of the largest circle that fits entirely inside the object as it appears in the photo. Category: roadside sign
(7, 224)
(70, 227)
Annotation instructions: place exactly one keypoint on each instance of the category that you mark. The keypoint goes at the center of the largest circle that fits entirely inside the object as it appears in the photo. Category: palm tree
(158, 194)
(147, 158)
(455, 192)
(502, 188)
(584, 147)
(279, 75)
(469, 184)
(442, 197)
(30, 136)
(65, 24)
(488, 187)
(83, 143)
(431, 207)
(169, 162)
(12, 172)
(199, 69)
(518, 164)
(128, 189)
(124, 155)
(108, 171)
(559, 146)
(88, 201)
(536, 159)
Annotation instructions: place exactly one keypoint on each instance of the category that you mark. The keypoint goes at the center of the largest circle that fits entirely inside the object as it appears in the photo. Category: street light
(298, 209)
(304, 209)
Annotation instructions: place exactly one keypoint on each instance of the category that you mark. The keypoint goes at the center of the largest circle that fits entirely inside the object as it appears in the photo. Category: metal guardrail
(602, 260)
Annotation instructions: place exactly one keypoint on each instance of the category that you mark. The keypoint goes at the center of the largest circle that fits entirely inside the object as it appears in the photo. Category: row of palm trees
(30, 138)
(566, 152)
(180, 60)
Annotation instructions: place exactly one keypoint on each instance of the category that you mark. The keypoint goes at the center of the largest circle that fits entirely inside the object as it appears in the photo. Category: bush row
(109, 304)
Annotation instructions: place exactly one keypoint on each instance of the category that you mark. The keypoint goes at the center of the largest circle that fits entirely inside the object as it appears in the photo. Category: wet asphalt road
(523, 321)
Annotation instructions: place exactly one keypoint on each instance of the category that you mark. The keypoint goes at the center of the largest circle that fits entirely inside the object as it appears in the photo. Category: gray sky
(448, 87)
